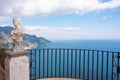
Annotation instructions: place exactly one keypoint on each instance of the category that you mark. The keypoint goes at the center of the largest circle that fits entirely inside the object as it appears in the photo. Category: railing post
(16, 65)
(118, 66)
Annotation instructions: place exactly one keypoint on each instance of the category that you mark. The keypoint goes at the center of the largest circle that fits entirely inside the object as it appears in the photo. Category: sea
(104, 45)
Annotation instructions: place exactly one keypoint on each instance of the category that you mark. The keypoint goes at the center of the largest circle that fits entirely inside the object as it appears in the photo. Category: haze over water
(107, 45)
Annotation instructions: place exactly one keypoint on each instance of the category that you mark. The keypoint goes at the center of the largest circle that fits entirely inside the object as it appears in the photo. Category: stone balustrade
(13, 65)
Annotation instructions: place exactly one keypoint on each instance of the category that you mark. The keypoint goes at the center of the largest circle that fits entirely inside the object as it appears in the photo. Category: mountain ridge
(29, 41)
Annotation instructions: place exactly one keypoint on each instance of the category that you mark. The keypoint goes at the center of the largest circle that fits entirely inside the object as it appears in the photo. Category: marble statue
(17, 35)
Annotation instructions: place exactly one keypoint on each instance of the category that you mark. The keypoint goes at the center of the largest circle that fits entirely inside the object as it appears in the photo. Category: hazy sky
(65, 19)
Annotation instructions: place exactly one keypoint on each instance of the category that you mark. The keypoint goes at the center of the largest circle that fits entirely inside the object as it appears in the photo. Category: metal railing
(74, 63)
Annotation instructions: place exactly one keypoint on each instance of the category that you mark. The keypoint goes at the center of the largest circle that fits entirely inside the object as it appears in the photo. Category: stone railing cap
(15, 54)
(2, 48)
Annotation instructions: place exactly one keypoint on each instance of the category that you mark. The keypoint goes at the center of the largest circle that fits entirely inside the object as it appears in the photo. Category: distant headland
(29, 41)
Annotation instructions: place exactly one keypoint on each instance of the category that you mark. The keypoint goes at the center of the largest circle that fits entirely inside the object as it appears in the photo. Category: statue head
(16, 22)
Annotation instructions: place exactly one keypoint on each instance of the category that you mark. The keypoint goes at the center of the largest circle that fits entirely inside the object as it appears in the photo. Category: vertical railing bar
(63, 61)
(55, 61)
(59, 60)
(92, 64)
(107, 65)
(39, 63)
(71, 61)
(30, 64)
(83, 64)
(118, 65)
(102, 66)
(35, 63)
(67, 61)
(51, 62)
(97, 65)
(88, 64)
(75, 63)
(80, 63)
(112, 64)
(47, 61)
(43, 61)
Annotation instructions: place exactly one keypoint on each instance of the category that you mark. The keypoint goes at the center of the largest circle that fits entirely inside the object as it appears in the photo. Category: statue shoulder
(12, 31)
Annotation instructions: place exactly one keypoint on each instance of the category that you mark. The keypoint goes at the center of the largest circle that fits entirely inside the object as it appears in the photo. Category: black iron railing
(74, 63)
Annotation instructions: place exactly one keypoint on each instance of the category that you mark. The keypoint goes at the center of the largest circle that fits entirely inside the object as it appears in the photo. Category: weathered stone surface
(17, 68)
(2, 60)
(2, 74)
(15, 54)
(2, 57)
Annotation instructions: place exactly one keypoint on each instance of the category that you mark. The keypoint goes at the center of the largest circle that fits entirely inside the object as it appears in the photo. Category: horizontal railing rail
(74, 63)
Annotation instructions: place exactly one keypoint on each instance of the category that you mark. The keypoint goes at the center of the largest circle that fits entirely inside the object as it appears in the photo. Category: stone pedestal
(16, 65)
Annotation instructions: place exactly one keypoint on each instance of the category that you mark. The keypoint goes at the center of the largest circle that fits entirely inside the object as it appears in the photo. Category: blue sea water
(107, 45)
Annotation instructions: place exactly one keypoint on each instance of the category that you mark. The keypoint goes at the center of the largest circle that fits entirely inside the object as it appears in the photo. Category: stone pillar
(16, 65)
